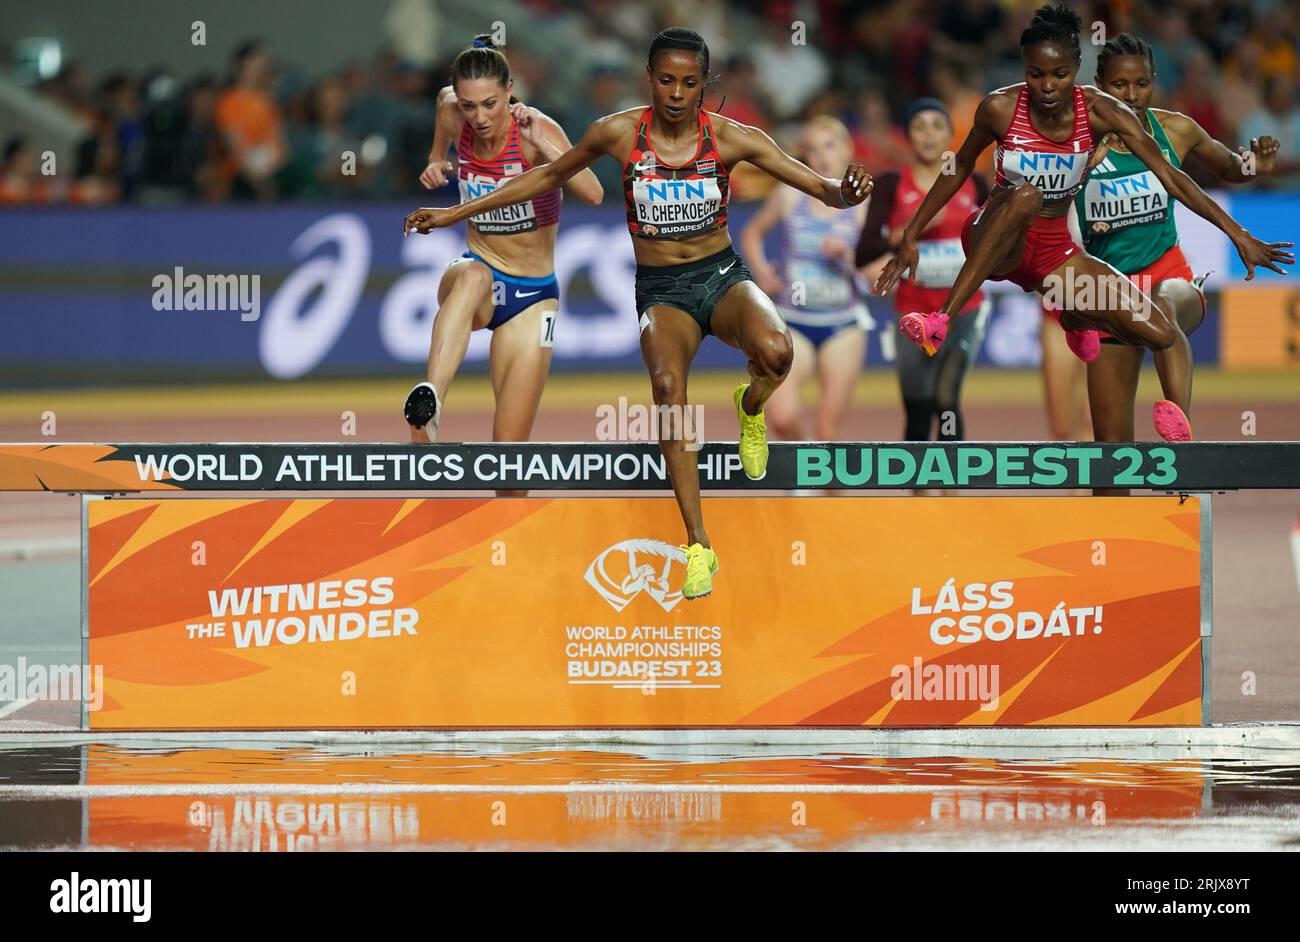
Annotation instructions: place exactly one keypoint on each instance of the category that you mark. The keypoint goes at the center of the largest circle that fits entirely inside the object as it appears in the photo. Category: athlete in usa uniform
(1046, 130)
(676, 160)
(505, 282)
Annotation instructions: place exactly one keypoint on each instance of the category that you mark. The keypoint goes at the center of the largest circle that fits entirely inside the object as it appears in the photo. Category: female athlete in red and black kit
(690, 282)
(1046, 131)
(931, 386)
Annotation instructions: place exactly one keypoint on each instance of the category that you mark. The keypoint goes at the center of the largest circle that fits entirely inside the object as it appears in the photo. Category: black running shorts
(693, 287)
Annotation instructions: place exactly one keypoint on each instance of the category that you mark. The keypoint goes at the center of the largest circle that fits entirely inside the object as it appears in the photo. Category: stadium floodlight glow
(37, 58)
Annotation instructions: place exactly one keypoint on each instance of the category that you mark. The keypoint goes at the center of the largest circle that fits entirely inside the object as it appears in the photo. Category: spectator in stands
(374, 107)
(390, 106)
(788, 75)
(119, 105)
(1277, 36)
(712, 19)
(962, 98)
(607, 92)
(199, 155)
(877, 141)
(1239, 89)
(1220, 24)
(627, 24)
(318, 146)
(203, 143)
(20, 179)
(1279, 117)
(99, 167)
(71, 88)
(164, 129)
(739, 95)
(968, 31)
(248, 120)
(1174, 47)
(1198, 98)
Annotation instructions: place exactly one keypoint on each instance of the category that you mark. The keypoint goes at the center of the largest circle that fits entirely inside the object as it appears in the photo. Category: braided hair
(1125, 44)
(1058, 24)
(679, 37)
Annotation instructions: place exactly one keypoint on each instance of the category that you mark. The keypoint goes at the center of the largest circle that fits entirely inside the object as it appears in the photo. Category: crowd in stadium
(271, 129)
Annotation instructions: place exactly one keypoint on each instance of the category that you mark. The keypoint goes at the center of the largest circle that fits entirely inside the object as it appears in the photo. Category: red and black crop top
(666, 202)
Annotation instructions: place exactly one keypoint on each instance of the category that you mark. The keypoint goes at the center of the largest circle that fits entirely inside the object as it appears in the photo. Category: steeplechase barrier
(458, 612)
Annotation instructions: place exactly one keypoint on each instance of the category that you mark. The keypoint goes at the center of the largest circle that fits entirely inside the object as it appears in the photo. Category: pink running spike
(1171, 424)
(927, 331)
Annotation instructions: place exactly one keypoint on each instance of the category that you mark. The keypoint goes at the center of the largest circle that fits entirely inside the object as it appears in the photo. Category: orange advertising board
(506, 613)
(1260, 328)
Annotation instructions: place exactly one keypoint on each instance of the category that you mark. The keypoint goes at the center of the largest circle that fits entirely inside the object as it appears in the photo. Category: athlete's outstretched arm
(597, 141)
(754, 145)
(1111, 114)
(1227, 166)
(945, 188)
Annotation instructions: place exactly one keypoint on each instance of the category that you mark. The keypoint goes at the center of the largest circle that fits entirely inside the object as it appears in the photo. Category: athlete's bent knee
(774, 356)
(1162, 334)
(1025, 200)
(475, 277)
(666, 386)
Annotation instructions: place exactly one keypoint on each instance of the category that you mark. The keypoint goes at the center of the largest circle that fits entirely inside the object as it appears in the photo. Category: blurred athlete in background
(930, 386)
(815, 282)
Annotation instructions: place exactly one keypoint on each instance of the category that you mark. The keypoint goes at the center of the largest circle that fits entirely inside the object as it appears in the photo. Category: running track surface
(1256, 609)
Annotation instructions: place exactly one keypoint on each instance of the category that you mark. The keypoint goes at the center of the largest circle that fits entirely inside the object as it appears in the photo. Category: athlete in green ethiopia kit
(1127, 219)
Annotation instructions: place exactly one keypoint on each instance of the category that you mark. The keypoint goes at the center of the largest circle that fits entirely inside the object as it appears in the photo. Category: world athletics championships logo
(626, 569)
